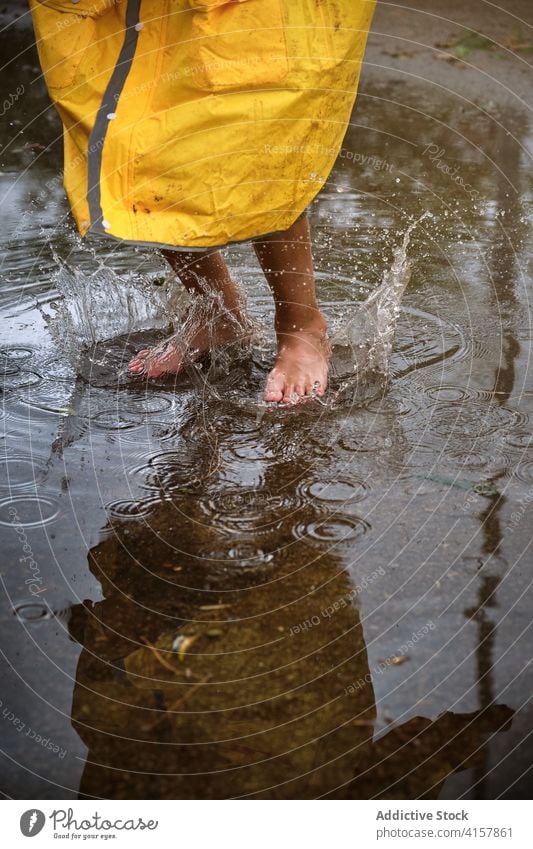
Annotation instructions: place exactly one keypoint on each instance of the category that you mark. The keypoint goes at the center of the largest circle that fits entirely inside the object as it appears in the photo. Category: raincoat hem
(167, 247)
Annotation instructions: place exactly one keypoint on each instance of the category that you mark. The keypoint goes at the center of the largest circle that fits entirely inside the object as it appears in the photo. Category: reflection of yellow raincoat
(198, 122)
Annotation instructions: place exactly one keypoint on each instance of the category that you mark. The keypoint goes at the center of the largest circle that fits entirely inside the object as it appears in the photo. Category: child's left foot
(302, 364)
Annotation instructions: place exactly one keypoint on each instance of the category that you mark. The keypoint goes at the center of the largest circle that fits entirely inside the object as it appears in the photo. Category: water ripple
(19, 470)
(339, 491)
(28, 510)
(126, 509)
(473, 420)
(331, 529)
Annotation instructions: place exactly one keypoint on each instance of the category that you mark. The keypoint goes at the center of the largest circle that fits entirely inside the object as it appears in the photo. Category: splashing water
(101, 306)
(362, 344)
(103, 311)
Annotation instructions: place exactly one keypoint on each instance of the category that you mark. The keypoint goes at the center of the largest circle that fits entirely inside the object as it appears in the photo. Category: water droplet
(28, 510)
(32, 611)
(451, 394)
(19, 471)
(18, 355)
(124, 509)
(20, 379)
(362, 442)
(332, 529)
(147, 404)
(524, 472)
(113, 420)
(521, 440)
(339, 491)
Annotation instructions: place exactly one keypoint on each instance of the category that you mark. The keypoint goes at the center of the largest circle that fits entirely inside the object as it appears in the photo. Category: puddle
(236, 574)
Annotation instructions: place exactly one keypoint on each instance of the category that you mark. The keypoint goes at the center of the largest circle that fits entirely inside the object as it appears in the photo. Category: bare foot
(172, 354)
(301, 368)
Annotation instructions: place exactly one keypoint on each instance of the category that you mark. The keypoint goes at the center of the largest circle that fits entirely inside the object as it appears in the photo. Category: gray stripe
(109, 104)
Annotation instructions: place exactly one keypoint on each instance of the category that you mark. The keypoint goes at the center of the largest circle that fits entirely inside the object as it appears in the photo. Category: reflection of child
(170, 119)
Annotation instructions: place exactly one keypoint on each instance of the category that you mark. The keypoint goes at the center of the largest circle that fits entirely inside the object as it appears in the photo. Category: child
(192, 125)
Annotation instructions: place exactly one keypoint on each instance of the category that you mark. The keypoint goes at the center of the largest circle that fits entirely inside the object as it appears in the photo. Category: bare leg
(301, 367)
(202, 274)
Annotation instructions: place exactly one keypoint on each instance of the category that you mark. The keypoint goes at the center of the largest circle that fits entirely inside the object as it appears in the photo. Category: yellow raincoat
(194, 123)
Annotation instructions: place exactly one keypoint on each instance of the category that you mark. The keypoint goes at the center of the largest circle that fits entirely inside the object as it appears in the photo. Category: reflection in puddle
(241, 688)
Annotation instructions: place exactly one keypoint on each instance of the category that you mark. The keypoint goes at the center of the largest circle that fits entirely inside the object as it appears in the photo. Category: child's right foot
(170, 356)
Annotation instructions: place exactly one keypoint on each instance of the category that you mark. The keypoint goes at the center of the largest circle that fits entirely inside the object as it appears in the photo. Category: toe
(289, 394)
(322, 386)
(136, 364)
(274, 386)
(272, 395)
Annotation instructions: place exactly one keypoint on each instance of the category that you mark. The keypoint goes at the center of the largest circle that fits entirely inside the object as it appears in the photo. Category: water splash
(100, 314)
(99, 306)
(362, 344)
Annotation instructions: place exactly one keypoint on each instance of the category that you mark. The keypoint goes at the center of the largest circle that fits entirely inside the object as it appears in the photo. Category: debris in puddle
(479, 488)
(157, 655)
(182, 644)
(171, 566)
(394, 660)
(467, 44)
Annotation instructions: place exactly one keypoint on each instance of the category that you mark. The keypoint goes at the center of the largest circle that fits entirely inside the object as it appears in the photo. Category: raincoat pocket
(238, 44)
(64, 29)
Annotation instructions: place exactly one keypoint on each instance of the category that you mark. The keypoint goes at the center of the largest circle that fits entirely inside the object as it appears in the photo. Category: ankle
(312, 325)
(237, 313)
(221, 307)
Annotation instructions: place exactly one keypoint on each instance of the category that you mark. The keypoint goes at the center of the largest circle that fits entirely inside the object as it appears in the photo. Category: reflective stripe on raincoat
(195, 123)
